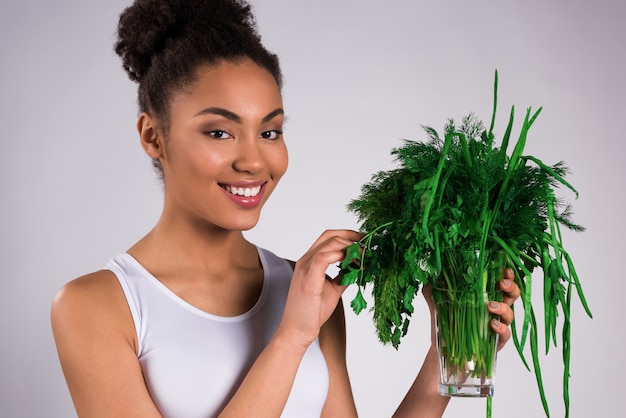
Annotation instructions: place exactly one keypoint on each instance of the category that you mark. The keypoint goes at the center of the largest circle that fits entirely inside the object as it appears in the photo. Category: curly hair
(163, 42)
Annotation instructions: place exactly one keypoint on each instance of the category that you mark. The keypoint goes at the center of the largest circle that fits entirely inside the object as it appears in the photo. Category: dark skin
(247, 152)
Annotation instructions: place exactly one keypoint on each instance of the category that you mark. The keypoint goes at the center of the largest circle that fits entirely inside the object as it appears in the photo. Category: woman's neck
(213, 269)
(179, 243)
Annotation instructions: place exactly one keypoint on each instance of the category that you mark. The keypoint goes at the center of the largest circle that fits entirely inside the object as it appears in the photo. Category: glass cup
(466, 344)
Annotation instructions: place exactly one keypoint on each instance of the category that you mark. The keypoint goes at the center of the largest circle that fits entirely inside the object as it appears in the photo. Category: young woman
(193, 320)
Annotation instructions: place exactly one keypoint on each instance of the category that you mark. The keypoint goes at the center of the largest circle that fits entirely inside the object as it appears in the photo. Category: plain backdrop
(76, 188)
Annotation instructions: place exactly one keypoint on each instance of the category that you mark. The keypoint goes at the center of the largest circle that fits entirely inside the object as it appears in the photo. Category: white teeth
(243, 191)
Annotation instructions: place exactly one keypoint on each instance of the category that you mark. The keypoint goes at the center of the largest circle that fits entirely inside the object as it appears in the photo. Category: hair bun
(148, 27)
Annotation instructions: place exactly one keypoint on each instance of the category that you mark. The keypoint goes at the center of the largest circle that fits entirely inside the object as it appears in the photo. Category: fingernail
(496, 323)
(506, 282)
(494, 305)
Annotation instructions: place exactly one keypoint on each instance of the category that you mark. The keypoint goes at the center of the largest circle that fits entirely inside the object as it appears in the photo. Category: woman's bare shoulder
(95, 298)
(99, 287)
(97, 346)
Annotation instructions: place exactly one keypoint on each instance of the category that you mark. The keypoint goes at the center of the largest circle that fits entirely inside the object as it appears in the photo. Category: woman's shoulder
(97, 346)
(95, 298)
(95, 287)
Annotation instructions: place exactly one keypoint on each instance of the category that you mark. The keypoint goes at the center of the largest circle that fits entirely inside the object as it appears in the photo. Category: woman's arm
(95, 338)
(340, 400)
(272, 376)
(423, 399)
(311, 301)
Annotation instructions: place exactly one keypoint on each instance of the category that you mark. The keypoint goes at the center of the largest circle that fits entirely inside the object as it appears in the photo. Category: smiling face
(224, 152)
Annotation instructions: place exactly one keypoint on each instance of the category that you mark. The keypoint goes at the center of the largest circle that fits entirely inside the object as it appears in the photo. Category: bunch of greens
(458, 193)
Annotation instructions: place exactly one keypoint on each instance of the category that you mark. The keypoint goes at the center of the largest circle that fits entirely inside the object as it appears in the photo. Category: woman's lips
(248, 196)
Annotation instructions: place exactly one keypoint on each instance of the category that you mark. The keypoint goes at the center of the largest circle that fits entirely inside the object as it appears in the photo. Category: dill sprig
(461, 192)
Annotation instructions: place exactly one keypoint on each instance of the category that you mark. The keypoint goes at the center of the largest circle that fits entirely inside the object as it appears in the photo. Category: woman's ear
(150, 136)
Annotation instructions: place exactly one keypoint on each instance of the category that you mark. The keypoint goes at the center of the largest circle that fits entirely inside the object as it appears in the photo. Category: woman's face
(225, 151)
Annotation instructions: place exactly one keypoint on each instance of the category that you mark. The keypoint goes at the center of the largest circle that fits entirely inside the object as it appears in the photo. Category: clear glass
(466, 344)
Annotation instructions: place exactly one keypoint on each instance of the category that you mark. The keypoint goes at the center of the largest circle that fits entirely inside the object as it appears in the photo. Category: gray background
(76, 189)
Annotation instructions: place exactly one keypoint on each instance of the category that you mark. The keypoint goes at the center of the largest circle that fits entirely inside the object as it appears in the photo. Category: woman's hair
(163, 42)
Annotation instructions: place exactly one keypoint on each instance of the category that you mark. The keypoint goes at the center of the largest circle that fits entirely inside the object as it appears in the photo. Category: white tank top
(193, 361)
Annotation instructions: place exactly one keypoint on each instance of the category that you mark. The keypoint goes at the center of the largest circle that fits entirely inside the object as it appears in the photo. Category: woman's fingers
(510, 293)
(501, 325)
(312, 298)
(328, 249)
(347, 236)
(509, 288)
(310, 271)
(503, 331)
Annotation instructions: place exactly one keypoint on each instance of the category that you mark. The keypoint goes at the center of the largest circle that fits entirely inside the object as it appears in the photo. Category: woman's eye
(219, 134)
(273, 134)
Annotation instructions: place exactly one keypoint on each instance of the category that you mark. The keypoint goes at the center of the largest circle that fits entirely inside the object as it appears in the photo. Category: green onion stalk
(455, 212)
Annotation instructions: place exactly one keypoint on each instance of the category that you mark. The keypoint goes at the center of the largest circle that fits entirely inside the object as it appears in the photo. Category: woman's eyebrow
(273, 114)
(221, 112)
(235, 117)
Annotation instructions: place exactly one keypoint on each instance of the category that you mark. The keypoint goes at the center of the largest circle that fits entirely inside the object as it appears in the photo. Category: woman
(193, 320)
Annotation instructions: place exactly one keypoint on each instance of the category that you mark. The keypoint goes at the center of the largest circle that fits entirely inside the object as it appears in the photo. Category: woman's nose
(248, 156)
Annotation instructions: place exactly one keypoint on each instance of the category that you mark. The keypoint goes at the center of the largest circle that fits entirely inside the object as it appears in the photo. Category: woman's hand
(312, 297)
(423, 397)
(510, 293)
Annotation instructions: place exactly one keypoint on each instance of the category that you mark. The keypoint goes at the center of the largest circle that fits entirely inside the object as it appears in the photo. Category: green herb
(463, 193)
